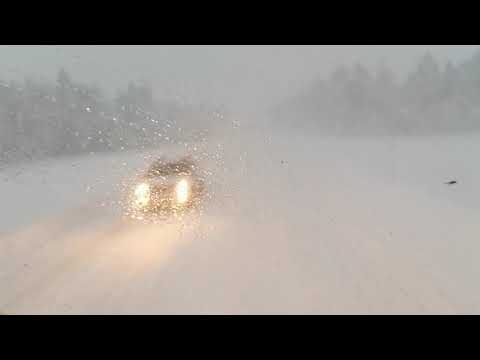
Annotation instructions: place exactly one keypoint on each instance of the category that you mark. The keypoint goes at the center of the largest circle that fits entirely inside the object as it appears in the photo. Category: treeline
(39, 119)
(432, 99)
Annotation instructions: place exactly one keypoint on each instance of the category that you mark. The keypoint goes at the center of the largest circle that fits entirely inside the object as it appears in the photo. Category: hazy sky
(240, 76)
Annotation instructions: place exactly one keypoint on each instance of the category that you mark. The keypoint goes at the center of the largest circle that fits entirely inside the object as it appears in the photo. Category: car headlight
(142, 195)
(182, 191)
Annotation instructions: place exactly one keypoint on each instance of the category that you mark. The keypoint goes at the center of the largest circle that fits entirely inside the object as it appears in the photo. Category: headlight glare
(142, 195)
(182, 191)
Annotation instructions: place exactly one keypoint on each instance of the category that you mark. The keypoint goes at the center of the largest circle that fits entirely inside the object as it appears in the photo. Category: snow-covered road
(297, 225)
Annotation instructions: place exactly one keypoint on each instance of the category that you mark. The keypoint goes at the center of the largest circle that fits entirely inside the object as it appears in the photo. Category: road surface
(296, 225)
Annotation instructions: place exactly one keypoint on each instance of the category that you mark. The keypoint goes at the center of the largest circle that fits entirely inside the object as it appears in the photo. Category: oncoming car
(167, 188)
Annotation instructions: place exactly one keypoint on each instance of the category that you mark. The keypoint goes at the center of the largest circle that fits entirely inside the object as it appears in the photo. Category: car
(167, 188)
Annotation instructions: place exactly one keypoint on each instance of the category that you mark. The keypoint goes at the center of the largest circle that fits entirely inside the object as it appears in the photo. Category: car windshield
(164, 168)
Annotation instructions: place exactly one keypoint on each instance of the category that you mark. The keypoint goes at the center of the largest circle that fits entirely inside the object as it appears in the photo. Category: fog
(242, 76)
(335, 179)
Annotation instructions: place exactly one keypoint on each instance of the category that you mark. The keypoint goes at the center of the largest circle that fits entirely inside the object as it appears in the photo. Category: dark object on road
(451, 183)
